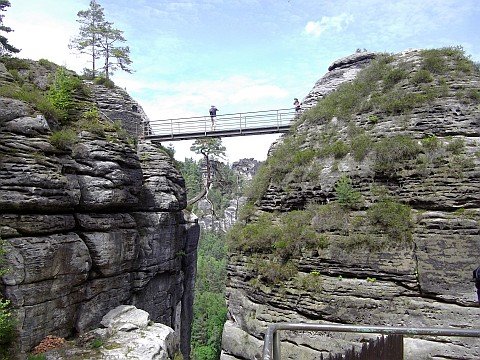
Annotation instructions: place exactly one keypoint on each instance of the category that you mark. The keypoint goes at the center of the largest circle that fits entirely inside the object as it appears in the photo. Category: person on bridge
(213, 115)
(297, 104)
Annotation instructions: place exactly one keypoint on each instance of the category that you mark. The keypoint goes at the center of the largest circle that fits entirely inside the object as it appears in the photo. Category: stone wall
(90, 227)
(423, 283)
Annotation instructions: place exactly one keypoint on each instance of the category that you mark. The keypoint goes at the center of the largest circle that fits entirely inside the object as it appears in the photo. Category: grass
(391, 153)
(391, 218)
(284, 237)
(64, 139)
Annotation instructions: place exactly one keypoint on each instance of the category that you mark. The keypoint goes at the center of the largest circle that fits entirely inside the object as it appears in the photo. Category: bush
(346, 195)
(47, 64)
(63, 139)
(392, 218)
(422, 76)
(62, 90)
(391, 153)
(456, 146)
(13, 63)
(360, 145)
(102, 80)
(393, 76)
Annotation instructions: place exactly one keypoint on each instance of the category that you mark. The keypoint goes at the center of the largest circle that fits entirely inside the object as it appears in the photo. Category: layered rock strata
(91, 227)
(422, 283)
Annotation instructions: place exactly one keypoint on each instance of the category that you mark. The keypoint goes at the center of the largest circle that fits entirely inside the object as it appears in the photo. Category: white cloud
(337, 23)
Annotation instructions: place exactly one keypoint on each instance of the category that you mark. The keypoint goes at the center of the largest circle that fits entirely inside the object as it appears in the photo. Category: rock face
(90, 227)
(245, 169)
(425, 282)
(127, 333)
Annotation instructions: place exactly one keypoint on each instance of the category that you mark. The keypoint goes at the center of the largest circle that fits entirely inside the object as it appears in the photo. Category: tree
(5, 47)
(211, 149)
(87, 42)
(116, 57)
(97, 38)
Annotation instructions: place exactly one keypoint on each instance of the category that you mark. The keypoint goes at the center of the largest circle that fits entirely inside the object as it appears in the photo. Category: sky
(239, 55)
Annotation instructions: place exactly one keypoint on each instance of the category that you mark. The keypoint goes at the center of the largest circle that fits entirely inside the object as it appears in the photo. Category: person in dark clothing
(476, 277)
(213, 115)
(297, 104)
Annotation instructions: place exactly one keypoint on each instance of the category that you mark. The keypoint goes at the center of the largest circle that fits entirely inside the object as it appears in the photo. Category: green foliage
(456, 146)
(36, 357)
(61, 92)
(273, 272)
(285, 237)
(430, 143)
(339, 149)
(393, 76)
(346, 195)
(32, 96)
(190, 170)
(311, 282)
(5, 47)
(209, 308)
(433, 61)
(209, 147)
(13, 63)
(392, 218)
(102, 80)
(91, 114)
(47, 64)
(7, 322)
(422, 76)
(96, 343)
(63, 139)
(391, 153)
(360, 145)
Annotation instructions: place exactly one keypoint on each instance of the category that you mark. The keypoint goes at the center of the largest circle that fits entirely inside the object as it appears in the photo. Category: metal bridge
(225, 125)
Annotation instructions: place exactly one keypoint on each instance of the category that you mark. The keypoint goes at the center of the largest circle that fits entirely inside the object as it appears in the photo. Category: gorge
(367, 212)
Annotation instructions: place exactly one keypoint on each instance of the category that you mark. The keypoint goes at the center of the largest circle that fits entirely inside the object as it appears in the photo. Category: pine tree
(116, 57)
(88, 41)
(99, 39)
(5, 47)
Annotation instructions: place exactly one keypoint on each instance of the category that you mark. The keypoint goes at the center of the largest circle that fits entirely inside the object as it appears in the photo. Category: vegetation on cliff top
(62, 97)
(389, 89)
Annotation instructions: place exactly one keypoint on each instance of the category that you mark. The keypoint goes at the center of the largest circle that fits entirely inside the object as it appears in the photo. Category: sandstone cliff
(367, 212)
(89, 223)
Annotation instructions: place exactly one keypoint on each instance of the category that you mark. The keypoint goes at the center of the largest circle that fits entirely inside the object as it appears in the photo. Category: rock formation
(243, 168)
(409, 150)
(126, 333)
(91, 225)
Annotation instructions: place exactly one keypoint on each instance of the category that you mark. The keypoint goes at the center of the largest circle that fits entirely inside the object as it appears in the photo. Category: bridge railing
(271, 349)
(223, 122)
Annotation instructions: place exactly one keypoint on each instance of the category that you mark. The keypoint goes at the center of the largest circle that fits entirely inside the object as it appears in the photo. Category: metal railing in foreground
(271, 349)
(266, 121)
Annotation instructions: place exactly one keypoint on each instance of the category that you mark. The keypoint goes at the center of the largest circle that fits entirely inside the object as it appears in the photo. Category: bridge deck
(249, 123)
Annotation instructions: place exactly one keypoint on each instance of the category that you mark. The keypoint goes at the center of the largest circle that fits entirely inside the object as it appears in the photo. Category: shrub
(273, 272)
(63, 139)
(393, 76)
(392, 218)
(47, 64)
(434, 61)
(13, 63)
(360, 146)
(422, 76)
(346, 195)
(339, 149)
(62, 90)
(456, 146)
(102, 80)
(329, 217)
(431, 143)
(391, 152)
